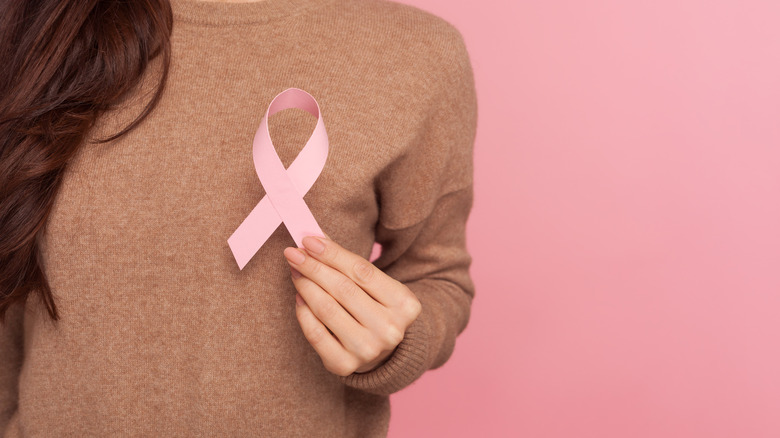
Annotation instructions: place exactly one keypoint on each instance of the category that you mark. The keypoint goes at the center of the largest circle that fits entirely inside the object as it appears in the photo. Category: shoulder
(393, 12)
(398, 28)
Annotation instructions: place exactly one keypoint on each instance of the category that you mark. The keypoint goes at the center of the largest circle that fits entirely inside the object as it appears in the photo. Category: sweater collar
(217, 13)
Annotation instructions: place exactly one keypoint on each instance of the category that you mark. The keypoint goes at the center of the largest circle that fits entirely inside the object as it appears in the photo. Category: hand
(350, 311)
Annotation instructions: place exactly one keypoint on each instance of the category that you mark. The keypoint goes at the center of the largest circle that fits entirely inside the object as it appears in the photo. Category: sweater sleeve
(426, 196)
(11, 354)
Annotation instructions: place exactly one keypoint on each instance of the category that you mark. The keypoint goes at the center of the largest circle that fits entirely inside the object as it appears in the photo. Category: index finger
(370, 278)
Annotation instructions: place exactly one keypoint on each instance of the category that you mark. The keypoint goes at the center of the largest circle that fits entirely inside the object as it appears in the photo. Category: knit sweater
(161, 334)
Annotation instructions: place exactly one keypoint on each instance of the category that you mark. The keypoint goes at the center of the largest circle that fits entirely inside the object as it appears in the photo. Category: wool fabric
(160, 333)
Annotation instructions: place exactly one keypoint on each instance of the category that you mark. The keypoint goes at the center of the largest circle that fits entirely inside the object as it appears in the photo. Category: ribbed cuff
(407, 363)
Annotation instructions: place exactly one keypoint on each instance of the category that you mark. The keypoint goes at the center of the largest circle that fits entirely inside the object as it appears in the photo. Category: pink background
(625, 231)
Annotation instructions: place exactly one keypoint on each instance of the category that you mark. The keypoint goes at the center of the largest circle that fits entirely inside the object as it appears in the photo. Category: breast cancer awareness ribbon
(284, 188)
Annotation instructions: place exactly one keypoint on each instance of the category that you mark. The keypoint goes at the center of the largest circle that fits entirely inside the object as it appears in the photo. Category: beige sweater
(161, 334)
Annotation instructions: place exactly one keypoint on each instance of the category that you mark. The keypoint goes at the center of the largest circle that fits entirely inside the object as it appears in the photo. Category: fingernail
(295, 256)
(298, 300)
(313, 244)
(294, 272)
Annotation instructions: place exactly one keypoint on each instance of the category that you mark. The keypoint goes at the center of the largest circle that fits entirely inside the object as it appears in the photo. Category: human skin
(331, 290)
(231, 1)
(350, 311)
(334, 284)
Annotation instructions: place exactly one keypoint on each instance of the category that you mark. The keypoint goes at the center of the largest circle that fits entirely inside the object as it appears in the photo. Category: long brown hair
(62, 64)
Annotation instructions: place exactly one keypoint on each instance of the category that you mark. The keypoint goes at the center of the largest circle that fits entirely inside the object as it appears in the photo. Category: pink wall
(626, 228)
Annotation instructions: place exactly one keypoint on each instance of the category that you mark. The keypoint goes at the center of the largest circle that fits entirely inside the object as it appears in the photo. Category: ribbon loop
(284, 188)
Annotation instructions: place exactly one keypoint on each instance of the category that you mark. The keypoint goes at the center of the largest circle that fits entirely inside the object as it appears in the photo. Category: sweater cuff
(407, 363)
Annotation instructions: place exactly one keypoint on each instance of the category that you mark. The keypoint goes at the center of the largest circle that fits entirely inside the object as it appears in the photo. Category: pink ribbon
(284, 188)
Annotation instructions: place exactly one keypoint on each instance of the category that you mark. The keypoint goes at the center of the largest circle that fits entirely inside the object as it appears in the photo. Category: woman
(126, 163)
